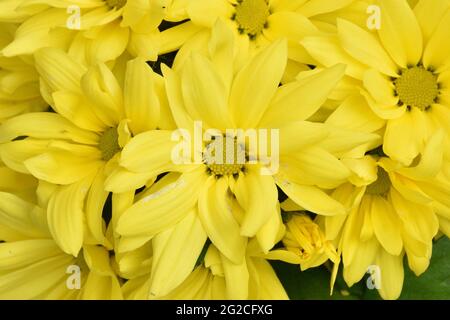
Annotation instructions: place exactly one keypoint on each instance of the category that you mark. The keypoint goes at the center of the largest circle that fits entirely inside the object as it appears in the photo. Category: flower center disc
(417, 87)
(116, 3)
(109, 143)
(251, 16)
(224, 156)
(381, 185)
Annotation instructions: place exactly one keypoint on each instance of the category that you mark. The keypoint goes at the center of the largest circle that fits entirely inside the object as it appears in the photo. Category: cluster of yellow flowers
(113, 115)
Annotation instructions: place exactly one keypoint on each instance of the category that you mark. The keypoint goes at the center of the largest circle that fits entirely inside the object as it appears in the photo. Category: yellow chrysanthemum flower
(216, 277)
(258, 23)
(32, 266)
(403, 70)
(395, 210)
(307, 241)
(92, 30)
(19, 81)
(78, 146)
(234, 200)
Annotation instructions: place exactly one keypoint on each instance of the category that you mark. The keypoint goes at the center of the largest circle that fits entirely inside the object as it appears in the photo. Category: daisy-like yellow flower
(395, 210)
(93, 30)
(32, 266)
(307, 241)
(234, 200)
(216, 277)
(19, 81)
(79, 144)
(403, 69)
(257, 23)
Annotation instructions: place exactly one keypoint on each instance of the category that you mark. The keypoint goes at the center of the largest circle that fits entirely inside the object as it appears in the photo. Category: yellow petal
(192, 286)
(389, 111)
(97, 259)
(380, 88)
(122, 180)
(58, 70)
(23, 219)
(173, 38)
(109, 43)
(365, 209)
(329, 52)
(95, 201)
(437, 51)
(400, 33)
(175, 98)
(429, 14)
(315, 166)
(98, 287)
(419, 221)
(351, 236)
(172, 263)
(409, 189)
(17, 183)
(270, 286)
(19, 254)
(317, 7)
(392, 275)
(143, 16)
(65, 216)
(146, 45)
(252, 90)
(364, 170)
(163, 207)
(140, 98)
(271, 232)
(301, 99)
(236, 278)
(344, 143)
(135, 263)
(355, 114)
(23, 283)
(386, 225)
(404, 137)
(35, 32)
(258, 196)
(63, 167)
(294, 27)
(45, 125)
(364, 47)
(311, 198)
(364, 256)
(13, 154)
(157, 160)
(430, 161)
(221, 47)
(75, 109)
(203, 88)
(103, 91)
(206, 13)
(218, 221)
